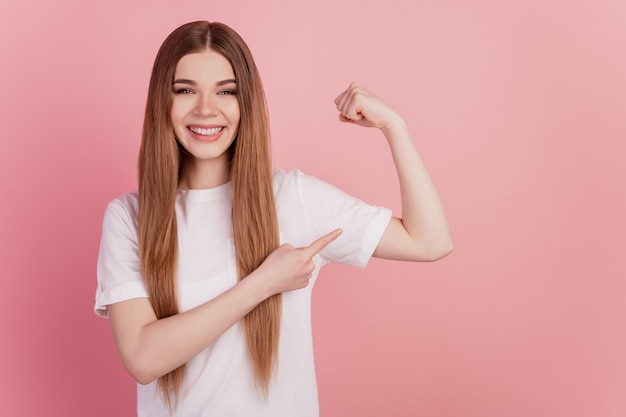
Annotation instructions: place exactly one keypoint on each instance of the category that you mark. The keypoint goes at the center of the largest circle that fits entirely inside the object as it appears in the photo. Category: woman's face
(205, 111)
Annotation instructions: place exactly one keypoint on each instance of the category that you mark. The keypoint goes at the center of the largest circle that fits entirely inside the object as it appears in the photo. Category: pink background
(519, 109)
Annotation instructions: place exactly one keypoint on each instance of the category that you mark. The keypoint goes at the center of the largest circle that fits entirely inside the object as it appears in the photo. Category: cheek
(177, 120)
(234, 114)
(176, 123)
(175, 114)
(181, 106)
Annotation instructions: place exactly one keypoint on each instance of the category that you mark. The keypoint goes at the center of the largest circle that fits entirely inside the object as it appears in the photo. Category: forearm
(423, 214)
(151, 348)
(157, 347)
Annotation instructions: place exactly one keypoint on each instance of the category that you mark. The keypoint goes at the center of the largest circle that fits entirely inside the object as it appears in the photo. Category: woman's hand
(288, 268)
(359, 106)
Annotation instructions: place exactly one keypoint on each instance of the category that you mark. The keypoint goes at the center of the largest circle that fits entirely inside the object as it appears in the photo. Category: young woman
(206, 272)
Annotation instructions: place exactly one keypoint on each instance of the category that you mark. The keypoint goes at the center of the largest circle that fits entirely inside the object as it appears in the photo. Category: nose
(206, 105)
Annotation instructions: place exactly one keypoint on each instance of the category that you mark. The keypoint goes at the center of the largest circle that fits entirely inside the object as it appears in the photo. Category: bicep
(396, 243)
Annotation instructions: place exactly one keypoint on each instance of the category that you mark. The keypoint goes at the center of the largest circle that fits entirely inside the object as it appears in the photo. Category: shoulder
(281, 176)
(285, 181)
(294, 180)
(122, 210)
(127, 202)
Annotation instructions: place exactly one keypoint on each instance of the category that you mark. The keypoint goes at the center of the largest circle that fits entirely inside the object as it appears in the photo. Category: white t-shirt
(219, 380)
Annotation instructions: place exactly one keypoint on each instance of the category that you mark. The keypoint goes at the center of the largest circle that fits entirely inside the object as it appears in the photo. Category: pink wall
(519, 109)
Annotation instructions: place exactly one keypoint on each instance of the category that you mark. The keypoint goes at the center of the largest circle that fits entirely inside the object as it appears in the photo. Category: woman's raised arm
(423, 233)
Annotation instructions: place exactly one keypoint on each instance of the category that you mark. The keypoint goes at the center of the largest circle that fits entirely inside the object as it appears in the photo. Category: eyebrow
(192, 82)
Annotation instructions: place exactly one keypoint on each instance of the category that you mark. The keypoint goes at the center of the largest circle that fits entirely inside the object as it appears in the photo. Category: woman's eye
(183, 91)
(228, 92)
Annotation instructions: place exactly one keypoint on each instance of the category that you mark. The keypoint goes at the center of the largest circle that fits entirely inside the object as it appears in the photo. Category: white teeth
(206, 132)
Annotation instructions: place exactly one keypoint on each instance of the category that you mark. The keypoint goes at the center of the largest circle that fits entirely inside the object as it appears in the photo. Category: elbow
(140, 370)
(438, 251)
(443, 250)
(144, 378)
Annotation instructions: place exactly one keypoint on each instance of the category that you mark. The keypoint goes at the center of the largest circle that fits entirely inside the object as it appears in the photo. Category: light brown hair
(255, 224)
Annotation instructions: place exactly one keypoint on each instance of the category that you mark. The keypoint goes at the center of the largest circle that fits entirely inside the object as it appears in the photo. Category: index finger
(315, 247)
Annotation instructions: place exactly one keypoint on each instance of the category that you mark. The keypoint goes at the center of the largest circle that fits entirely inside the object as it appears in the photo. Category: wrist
(394, 127)
(259, 285)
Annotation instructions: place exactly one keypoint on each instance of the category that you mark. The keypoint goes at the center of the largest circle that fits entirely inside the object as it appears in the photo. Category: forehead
(205, 66)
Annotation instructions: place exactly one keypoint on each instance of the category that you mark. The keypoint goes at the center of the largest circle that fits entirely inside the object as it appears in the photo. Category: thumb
(350, 120)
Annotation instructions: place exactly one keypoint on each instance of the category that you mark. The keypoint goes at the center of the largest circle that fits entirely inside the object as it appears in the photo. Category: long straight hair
(255, 224)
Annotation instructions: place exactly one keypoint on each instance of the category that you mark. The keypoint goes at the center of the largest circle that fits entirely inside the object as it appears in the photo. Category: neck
(199, 175)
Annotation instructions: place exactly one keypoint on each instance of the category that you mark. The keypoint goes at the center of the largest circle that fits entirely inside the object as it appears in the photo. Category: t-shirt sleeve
(118, 271)
(326, 208)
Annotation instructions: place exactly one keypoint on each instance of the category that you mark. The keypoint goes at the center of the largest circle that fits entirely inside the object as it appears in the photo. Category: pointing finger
(315, 247)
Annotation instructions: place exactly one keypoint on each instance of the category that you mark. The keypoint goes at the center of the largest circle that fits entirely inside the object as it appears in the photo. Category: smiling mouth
(206, 132)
